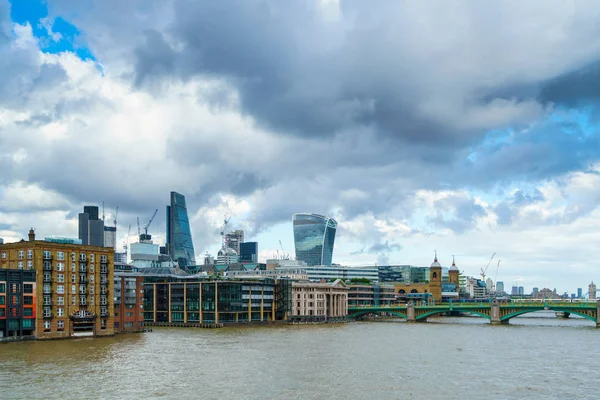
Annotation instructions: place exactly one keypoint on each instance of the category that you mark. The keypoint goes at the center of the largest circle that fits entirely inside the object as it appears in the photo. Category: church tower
(435, 279)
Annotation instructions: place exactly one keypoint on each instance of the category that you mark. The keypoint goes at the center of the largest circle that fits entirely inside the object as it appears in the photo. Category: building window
(60, 312)
(60, 267)
(103, 259)
(60, 255)
(91, 290)
(29, 254)
(73, 289)
(21, 254)
(102, 324)
(46, 325)
(28, 300)
(61, 325)
(60, 278)
(92, 278)
(73, 300)
(2, 300)
(3, 254)
(73, 266)
(60, 289)
(47, 312)
(28, 288)
(91, 257)
(47, 254)
(73, 257)
(82, 257)
(20, 265)
(60, 301)
(92, 268)
(73, 278)
(29, 264)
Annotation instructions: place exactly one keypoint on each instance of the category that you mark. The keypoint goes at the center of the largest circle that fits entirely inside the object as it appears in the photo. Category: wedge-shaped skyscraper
(314, 236)
(179, 237)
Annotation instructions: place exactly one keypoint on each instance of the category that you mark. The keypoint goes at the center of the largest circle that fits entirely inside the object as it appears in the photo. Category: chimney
(31, 235)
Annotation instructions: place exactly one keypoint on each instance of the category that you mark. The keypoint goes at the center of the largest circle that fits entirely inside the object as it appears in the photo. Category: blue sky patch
(55, 35)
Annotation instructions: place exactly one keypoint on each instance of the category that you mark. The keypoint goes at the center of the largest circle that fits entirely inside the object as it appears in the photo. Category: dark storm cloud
(575, 88)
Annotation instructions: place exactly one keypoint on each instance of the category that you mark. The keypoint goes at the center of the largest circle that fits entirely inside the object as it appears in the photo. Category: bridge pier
(410, 312)
(495, 316)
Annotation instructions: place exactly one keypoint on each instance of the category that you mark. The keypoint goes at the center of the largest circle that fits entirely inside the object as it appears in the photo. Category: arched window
(401, 291)
(414, 291)
(435, 275)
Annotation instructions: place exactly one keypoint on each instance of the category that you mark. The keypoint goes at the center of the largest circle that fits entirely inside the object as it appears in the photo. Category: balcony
(105, 314)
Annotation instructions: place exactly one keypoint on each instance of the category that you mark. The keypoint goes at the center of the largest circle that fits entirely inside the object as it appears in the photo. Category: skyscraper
(314, 236)
(91, 228)
(234, 239)
(179, 237)
(249, 252)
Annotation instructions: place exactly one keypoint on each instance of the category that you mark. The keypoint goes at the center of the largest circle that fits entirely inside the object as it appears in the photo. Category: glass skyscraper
(179, 237)
(314, 236)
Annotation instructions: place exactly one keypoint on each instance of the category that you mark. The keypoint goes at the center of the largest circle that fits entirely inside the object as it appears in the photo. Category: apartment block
(73, 287)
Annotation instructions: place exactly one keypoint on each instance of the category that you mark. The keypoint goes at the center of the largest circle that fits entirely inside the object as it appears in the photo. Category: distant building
(91, 228)
(248, 252)
(500, 287)
(234, 239)
(110, 236)
(514, 291)
(227, 256)
(489, 284)
(314, 237)
(579, 293)
(476, 288)
(535, 291)
(521, 291)
(371, 295)
(144, 254)
(592, 291)
(179, 236)
(317, 273)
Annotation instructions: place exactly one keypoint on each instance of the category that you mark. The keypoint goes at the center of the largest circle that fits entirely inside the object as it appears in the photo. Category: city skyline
(475, 138)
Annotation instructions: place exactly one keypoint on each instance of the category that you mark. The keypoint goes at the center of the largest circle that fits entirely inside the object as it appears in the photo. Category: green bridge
(497, 312)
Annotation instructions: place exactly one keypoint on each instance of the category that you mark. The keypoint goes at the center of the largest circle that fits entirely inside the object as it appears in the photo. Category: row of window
(60, 255)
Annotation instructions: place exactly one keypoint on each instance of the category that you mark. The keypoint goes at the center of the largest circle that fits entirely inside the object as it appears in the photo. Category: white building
(227, 256)
(475, 288)
(318, 273)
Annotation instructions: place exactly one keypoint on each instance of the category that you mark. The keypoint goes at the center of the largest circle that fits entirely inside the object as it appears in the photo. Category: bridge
(495, 311)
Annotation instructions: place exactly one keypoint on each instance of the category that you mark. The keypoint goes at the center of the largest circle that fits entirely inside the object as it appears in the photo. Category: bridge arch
(437, 312)
(550, 308)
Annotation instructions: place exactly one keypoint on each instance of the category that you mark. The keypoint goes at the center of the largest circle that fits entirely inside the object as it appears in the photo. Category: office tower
(234, 239)
(521, 290)
(179, 237)
(314, 237)
(579, 293)
(91, 228)
(110, 236)
(535, 291)
(514, 291)
(249, 252)
(499, 287)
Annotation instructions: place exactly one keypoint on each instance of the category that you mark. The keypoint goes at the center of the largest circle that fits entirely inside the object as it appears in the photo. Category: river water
(537, 357)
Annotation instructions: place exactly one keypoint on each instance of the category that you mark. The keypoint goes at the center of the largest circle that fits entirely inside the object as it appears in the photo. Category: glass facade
(179, 236)
(249, 252)
(314, 237)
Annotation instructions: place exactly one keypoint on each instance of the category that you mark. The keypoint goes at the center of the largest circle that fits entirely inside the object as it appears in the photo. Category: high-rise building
(110, 236)
(500, 287)
(314, 237)
(249, 252)
(91, 228)
(579, 293)
(179, 237)
(521, 290)
(535, 291)
(234, 239)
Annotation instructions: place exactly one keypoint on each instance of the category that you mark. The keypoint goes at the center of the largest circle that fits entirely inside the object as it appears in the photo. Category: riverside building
(72, 294)
(185, 301)
(129, 299)
(319, 302)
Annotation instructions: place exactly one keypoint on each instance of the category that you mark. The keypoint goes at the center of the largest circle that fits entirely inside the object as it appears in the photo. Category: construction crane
(116, 213)
(224, 230)
(150, 222)
(139, 230)
(483, 271)
(127, 239)
(496, 277)
(283, 255)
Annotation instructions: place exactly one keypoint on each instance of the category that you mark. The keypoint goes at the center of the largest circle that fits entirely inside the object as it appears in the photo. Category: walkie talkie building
(314, 236)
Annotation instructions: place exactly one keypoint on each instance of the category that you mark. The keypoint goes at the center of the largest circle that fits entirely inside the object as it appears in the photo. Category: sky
(466, 127)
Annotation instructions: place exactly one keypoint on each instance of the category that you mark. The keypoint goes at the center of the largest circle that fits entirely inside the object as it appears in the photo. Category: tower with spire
(453, 274)
(435, 278)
